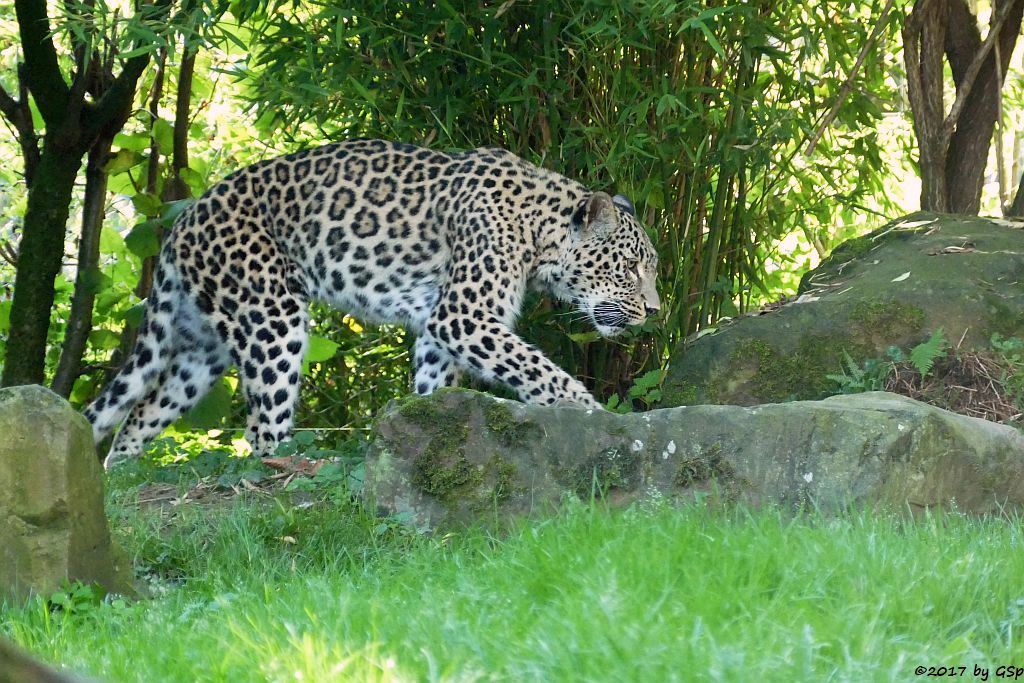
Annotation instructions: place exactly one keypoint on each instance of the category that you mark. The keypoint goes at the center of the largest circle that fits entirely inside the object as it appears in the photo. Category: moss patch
(503, 423)
(426, 412)
(773, 376)
(442, 468)
(612, 468)
(851, 249)
(710, 465)
(681, 394)
(885, 321)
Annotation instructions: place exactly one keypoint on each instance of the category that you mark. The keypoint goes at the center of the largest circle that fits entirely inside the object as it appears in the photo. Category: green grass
(639, 595)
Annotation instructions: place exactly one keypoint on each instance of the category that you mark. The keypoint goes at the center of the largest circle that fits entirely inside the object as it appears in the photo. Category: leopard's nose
(650, 310)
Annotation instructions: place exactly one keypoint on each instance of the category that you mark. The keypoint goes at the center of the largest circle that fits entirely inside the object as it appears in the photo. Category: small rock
(52, 524)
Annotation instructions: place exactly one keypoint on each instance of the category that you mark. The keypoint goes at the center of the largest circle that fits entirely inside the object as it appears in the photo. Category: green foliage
(873, 373)
(77, 598)
(698, 112)
(871, 376)
(646, 389)
(1010, 351)
(924, 355)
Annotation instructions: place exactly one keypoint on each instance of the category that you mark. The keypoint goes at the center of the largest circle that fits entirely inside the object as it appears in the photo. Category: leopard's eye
(634, 269)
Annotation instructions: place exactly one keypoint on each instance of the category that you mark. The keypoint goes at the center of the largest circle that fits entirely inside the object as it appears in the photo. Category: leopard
(446, 244)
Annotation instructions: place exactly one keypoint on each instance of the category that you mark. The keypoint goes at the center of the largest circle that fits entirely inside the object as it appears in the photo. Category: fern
(856, 379)
(924, 355)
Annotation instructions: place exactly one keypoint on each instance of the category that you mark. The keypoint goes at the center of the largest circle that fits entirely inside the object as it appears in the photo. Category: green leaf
(104, 339)
(712, 41)
(585, 337)
(148, 204)
(111, 242)
(923, 356)
(93, 280)
(122, 161)
(304, 438)
(656, 197)
(135, 142)
(143, 240)
(164, 134)
(649, 379)
(133, 316)
(362, 90)
(195, 180)
(172, 210)
(320, 349)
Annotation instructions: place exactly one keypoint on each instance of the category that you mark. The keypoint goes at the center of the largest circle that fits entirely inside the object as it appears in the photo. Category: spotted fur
(445, 244)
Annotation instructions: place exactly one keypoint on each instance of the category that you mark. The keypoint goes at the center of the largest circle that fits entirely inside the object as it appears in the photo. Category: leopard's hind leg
(189, 375)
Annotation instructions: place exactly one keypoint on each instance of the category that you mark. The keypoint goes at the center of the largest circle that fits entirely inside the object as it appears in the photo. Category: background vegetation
(752, 137)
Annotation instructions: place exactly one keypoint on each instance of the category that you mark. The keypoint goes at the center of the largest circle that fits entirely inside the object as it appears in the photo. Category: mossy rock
(461, 467)
(892, 287)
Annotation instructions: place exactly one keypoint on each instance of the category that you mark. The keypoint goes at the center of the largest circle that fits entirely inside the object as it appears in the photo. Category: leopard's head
(610, 268)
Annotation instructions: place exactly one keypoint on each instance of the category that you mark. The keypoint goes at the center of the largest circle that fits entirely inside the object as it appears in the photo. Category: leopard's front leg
(494, 352)
(472, 319)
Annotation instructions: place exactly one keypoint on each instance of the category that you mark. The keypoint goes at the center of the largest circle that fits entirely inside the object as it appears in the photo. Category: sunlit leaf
(143, 240)
(320, 349)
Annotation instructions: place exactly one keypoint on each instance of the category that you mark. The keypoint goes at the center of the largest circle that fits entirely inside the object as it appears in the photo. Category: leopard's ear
(596, 216)
(622, 201)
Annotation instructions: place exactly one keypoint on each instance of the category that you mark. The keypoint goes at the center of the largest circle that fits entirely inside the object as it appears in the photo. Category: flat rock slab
(53, 527)
(460, 457)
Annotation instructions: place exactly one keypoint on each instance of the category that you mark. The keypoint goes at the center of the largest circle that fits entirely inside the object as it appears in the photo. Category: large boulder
(457, 457)
(52, 524)
(894, 286)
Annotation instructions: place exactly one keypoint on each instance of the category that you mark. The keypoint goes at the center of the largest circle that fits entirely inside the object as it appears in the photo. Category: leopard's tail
(141, 370)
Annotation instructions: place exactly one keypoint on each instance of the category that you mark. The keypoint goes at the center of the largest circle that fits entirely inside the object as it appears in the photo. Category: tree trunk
(954, 145)
(72, 126)
(79, 325)
(971, 140)
(177, 188)
(40, 257)
(1016, 209)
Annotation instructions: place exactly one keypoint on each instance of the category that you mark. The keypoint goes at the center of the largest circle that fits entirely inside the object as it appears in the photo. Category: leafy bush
(699, 111)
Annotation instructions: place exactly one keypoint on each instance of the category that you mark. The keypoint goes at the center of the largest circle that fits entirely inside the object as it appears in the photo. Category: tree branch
(18, 113)
(847, 87)
(117, 99)
(42, 71)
